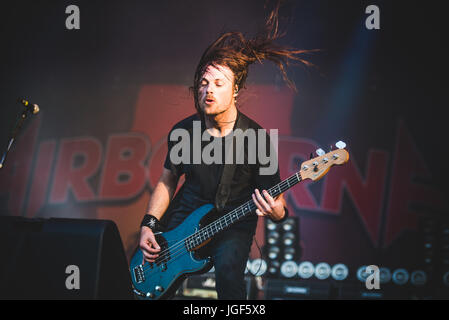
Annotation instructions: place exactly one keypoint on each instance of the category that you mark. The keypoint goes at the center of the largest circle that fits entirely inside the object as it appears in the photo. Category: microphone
(33, 108)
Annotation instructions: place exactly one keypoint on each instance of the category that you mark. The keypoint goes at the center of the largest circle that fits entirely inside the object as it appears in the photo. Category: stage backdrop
(111, 87)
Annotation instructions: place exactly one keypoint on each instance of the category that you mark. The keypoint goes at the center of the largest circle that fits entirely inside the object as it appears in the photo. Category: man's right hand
(148, 244)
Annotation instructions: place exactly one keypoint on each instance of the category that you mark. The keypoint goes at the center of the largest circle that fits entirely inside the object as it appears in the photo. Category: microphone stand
(13, 135)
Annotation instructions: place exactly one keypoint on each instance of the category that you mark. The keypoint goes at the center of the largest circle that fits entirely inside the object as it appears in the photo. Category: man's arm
(162, 194)
(160, 199)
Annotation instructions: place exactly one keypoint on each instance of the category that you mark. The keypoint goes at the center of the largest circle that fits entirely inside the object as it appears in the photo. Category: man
(219, 77)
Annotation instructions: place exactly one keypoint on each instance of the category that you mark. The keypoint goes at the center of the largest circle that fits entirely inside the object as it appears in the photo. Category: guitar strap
(224, 188)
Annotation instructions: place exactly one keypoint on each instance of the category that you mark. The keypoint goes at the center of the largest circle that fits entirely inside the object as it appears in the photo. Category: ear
(236, 90)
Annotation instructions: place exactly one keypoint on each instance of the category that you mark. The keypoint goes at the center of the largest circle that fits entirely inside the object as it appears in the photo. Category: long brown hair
(233, 50)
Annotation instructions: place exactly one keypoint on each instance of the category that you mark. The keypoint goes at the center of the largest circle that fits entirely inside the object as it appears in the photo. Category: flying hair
(233, 50)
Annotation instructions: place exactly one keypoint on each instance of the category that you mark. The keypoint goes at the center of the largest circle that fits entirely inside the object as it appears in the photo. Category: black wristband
(151, 222)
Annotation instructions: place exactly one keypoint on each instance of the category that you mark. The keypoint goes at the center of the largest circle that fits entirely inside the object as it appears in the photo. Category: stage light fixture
(444, 252)
(418, 278)
(339, 272)
(322, 270)
(281, 243)
(289, 254)
(289, 224)
(446, 279)
(306, 269)
(362, 275)
(400, 276)
(289, 238)
(289, 269)
(384, 275)
(273, 237)
(428, 228)
(273, 253)
(258, 267)
(271, 226)
(273, 268)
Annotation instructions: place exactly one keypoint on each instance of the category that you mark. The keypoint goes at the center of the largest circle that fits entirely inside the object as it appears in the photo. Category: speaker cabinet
(281, 289)
(62, 259)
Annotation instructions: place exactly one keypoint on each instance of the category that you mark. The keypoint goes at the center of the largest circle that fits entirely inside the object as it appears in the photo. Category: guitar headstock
(316, 168)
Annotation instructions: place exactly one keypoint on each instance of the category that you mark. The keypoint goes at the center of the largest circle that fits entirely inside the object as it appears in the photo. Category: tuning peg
(320, 152)
(340, 145)
(311, 155)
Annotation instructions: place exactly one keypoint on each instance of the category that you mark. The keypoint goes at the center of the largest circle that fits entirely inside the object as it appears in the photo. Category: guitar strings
(179, 245)
(209, 227)
(181, 251)
(280, 186)
(175, 254)
(169, 250)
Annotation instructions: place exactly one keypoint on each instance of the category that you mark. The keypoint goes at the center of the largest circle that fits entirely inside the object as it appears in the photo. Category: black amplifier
(203, 287)
(282, 289)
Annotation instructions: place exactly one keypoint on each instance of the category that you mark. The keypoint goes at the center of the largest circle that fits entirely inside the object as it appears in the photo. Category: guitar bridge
(139, 275)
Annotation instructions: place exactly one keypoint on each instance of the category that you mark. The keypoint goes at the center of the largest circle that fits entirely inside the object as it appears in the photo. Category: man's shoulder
(186, 123)
(251, 123)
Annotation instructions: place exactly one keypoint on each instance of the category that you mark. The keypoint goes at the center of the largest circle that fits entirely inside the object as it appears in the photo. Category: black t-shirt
(202, 180)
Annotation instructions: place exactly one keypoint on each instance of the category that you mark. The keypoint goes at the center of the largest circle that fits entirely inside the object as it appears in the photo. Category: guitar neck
(238, 213)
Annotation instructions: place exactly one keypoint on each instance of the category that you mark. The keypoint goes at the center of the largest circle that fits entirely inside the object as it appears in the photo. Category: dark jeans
(230, 252)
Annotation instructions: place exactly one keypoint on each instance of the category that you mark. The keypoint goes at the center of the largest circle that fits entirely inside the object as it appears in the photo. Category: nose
(209, 89)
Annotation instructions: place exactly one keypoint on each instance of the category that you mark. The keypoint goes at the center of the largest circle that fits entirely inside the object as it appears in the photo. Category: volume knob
(159, 288)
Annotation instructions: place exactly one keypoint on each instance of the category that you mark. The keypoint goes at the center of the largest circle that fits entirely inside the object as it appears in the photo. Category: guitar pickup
(139, 275)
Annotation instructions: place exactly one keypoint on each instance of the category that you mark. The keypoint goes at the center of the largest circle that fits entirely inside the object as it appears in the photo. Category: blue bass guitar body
(177, 259)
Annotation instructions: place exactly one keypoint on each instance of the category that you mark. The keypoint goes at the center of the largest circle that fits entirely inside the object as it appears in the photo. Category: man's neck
(221, 124)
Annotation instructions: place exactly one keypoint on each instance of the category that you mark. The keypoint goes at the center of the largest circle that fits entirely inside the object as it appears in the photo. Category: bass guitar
(181, 252)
